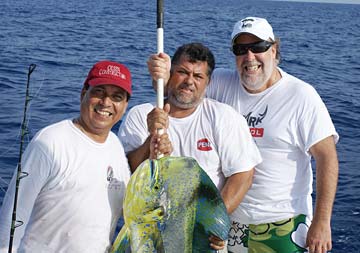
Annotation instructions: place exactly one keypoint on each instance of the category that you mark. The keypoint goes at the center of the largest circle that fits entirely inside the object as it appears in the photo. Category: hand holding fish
(216, 243)
(159, 144)
(158, 119)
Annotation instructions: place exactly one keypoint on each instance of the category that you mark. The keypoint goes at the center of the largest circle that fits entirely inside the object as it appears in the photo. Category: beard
(253, 83)
(257, 79)
(184, 101)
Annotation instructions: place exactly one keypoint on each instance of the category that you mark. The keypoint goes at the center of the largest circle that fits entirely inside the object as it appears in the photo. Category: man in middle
(211, 132)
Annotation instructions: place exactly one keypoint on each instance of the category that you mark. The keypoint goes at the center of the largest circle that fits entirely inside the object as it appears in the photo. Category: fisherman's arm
(137, 156)
(239, 156)
(237, 164)
(235, 189)
(152, 146)
(155, 143)
(327, 169)
(36, 163)
(232, 194)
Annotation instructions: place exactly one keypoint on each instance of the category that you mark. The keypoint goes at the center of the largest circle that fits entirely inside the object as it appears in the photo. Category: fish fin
(122, 241)
(156, 215)
(155, 171)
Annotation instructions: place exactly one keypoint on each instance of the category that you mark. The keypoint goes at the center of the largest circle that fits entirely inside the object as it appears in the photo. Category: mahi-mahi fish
(171, 205)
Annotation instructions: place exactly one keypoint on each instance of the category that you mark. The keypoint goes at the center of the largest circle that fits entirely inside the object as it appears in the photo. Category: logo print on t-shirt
(110, 173)
(204, 145)
(253, 121)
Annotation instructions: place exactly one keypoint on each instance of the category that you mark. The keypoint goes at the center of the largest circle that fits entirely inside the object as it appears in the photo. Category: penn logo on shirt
(204, 145)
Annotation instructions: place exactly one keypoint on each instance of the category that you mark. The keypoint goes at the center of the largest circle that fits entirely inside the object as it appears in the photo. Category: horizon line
(322, 1)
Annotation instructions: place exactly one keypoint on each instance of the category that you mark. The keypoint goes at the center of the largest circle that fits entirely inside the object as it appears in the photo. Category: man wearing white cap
(77, 170)
(290, 124)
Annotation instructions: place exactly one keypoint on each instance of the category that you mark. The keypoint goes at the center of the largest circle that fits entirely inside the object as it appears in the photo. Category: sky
(327, 1)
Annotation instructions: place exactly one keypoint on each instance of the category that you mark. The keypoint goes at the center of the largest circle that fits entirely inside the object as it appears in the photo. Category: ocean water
(320, 44)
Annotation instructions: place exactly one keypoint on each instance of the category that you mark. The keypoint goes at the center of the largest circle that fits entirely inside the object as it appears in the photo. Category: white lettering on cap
(112, 70)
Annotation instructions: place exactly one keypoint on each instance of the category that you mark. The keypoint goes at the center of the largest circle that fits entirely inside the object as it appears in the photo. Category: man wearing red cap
(72, 198)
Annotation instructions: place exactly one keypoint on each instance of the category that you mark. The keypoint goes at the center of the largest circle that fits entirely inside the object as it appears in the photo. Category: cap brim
(108, 81)
(237, 35)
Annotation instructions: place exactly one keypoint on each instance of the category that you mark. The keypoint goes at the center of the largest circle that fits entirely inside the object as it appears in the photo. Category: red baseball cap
(109, 72)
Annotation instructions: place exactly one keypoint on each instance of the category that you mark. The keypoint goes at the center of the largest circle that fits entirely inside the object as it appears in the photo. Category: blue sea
(320, 44)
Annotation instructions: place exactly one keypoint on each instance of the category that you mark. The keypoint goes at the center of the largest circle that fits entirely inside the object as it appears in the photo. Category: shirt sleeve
(36, 164)
(214, 88)
(133, 129)
(237, 148)
(315, 123)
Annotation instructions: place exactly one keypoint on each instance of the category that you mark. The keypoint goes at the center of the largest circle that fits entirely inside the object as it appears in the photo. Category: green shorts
(286, 236)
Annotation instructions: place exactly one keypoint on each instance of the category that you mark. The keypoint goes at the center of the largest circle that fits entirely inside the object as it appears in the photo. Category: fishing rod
(24, 131)
(160, 49)
(160, 82)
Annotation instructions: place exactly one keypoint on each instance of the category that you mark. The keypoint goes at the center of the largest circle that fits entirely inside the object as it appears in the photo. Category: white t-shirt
(72, 198)
(285, 121)
(214, 134)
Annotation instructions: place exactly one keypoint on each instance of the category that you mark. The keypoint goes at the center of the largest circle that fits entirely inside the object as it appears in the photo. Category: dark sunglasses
(257, 47)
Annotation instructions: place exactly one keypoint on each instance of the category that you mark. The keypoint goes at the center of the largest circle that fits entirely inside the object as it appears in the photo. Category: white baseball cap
(253, 25)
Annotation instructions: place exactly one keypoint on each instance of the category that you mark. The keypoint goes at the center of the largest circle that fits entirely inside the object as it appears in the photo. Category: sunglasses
(257, 47)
